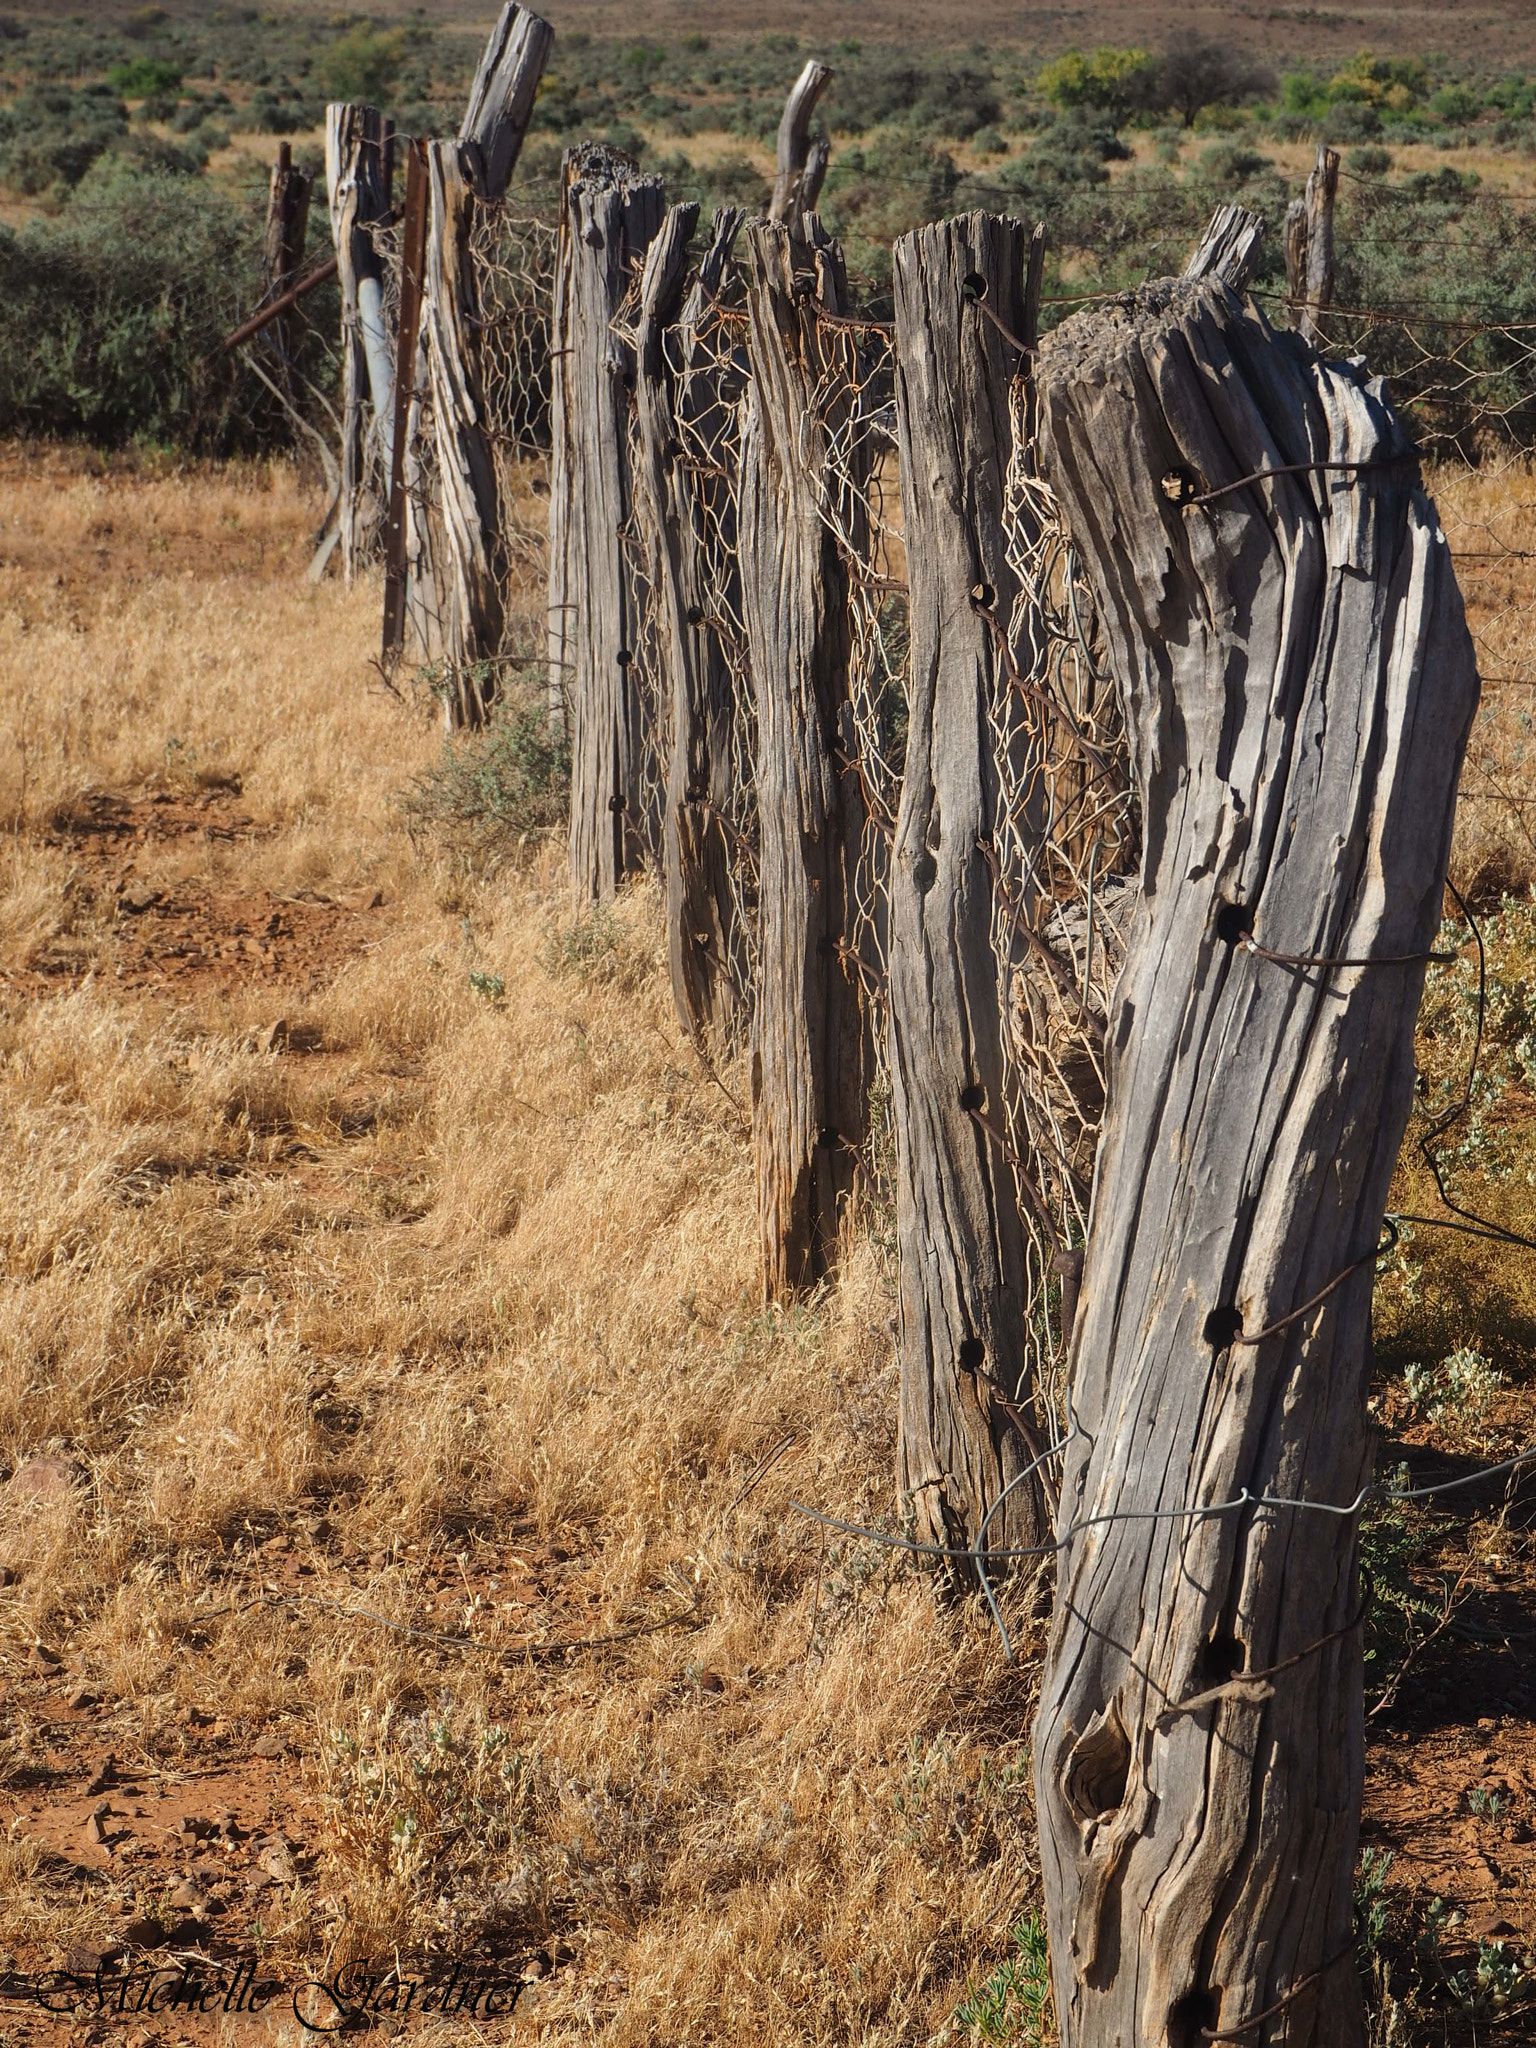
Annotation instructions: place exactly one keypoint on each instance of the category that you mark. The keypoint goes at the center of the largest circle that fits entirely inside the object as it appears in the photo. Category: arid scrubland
(400, 1458)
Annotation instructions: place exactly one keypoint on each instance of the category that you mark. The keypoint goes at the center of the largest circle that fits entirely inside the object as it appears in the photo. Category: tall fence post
(609, 214)
(1309, 259)
(282, 247)
(962, 1263)
(358, 165)
(686, 387)
(460, 176)
(812, 1051)
(1298, 683)
(802, 163)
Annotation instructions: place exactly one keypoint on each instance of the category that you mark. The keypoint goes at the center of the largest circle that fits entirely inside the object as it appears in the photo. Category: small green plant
(1486, 1804)
(490, 986)
(1014, 2004)
(490, 790)
(593, 949)
(1461, 1388)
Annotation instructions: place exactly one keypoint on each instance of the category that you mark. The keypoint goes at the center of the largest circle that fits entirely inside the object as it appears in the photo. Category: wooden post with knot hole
(1298, 682)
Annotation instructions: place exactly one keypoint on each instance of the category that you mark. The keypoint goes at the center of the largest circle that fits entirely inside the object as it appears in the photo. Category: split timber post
(962, 1266)
(609, 215)
(686, 387)
(802, 163)
(812, 1052)
(473, 171)
(1298, 683)
(1309, 259)
(359, 150)
(282, 248)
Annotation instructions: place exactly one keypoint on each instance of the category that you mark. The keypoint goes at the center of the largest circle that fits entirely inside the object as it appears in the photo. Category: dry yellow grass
(470, 1285)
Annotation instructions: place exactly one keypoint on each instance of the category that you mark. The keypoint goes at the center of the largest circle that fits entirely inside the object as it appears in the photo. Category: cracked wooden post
(282, 247)
(1309, 245)
(962, 1246)
(609, 214)
(802, 162)
(461, 176)
(1298, 683)
(686, 387)
(812, 1055)
(358, 164)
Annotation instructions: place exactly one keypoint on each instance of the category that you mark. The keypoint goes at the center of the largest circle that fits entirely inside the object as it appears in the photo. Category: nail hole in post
(984, 595)
(973, 1096)
(624, 657)
(972, 1352)
(694, 615)
(974, 287)
(616, 803)
(1234, 921)
(1223, 1327)
(826, 1139)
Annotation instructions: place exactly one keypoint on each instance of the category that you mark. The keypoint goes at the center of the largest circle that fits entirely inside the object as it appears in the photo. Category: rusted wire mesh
(1064, 856)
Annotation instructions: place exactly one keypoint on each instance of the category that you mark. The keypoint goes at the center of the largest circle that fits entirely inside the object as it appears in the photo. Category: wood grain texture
(471, 574)
(357, 166)
(1229, 248)
(800, 164)
(282, 244)
(501, 100)
(962, 1248)
(689, 381)
(1298, 684)
(812, 1056)
(609, 214)
(1309, 245)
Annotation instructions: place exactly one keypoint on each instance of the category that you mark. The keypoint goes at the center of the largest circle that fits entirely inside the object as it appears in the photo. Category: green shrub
(363, 65)
(489, 790)
(1113, 82)
(141, 77)
(111, 316)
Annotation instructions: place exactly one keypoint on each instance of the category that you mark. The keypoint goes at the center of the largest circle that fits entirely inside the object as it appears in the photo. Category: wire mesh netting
(1064, 855)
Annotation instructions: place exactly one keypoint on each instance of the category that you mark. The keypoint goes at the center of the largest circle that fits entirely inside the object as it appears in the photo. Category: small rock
(535, 1968)
(96, 1827)
(1493, 1927)
(269, 1746)
(194, 1717)
(190, 1897)
(137, 898)
(229, 1827)
(104, 1775)
(7, 1576)
(86, 1959)
(143, 1933)
(81, 1698)
(1487, 1724)
(44, 1660)
(277, 1861)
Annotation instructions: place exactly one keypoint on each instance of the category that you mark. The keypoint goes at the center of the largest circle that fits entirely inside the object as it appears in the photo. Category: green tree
(1117, 82)
(362, 65)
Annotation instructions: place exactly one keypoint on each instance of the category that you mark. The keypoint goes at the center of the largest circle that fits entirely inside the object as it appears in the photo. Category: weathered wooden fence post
(358, 166)
(962, 1279)
(282, 248)
(474, 170)
(812, 1053)
(1298, 683)
(609, 214)
(685, 386)
(802, 163)
(1309, 245)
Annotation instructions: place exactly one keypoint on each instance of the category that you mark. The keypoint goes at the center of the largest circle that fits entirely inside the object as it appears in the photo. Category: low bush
(490, 790)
